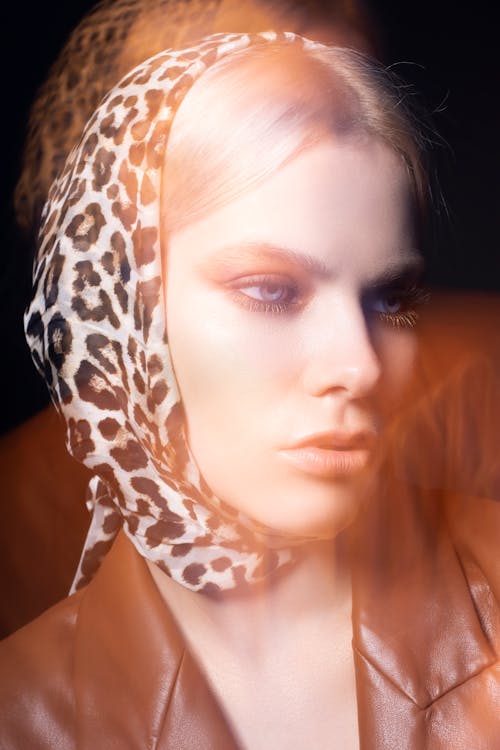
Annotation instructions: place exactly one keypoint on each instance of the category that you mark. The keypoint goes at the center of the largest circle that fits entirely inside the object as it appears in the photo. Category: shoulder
(107, 662)
(41, 481)
(36, 687)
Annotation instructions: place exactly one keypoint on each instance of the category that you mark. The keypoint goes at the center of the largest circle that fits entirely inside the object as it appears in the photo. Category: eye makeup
(231, 262)
(269, 293)
(397, 303)
(287, 280)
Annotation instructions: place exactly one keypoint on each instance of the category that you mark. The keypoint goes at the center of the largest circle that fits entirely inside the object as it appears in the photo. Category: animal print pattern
(96, 327)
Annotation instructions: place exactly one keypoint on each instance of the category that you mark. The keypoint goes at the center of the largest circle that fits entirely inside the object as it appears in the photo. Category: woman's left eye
(389, 303)
(399, 307)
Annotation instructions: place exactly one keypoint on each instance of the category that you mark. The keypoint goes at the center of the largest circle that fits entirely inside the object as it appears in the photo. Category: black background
(448, 51)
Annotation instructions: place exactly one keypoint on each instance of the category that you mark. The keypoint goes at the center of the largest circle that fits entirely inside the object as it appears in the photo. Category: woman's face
(290, 327)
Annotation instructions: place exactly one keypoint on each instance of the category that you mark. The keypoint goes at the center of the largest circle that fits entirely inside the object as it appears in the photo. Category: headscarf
(96, 326)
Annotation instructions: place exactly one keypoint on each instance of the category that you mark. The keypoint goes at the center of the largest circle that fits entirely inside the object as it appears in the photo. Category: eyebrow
(409, 265)
(409, 268)
(231, 255)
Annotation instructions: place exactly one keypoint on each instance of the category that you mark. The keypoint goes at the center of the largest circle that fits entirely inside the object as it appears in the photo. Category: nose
(341, 355)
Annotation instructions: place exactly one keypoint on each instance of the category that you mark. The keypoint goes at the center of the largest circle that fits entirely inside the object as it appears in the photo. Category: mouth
(331, 455)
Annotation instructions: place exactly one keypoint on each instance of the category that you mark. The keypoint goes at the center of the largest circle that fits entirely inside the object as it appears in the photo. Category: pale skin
(289, 315)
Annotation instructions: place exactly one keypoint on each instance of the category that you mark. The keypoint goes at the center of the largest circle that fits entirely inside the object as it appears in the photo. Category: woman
(111, 40)
(224, 310)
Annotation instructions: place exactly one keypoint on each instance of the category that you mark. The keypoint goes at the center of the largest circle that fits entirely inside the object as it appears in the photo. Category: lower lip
(327, 463)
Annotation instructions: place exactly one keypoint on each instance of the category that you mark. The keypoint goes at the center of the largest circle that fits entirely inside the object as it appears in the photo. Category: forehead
(345, 204)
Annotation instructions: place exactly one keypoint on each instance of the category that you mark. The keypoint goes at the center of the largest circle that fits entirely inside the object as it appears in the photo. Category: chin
(319, 514)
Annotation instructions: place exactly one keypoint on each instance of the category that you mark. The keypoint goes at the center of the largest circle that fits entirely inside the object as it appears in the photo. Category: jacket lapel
(417, 635)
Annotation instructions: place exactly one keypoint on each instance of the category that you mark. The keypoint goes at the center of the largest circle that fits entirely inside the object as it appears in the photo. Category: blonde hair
(256, 109)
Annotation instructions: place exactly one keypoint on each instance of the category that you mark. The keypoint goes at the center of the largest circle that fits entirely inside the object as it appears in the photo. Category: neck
(316, 589)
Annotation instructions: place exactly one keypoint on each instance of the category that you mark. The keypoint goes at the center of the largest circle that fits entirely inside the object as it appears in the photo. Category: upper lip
(336, 440)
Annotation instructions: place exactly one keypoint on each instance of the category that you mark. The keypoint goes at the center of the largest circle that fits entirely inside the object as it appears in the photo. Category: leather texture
(426, 626)
(44, 519)
(108, 667)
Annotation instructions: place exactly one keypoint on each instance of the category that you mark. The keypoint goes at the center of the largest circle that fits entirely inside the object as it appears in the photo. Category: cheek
(231, 377)
(229, 371)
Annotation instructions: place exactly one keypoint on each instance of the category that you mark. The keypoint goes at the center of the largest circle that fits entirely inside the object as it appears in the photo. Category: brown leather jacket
(108, 668)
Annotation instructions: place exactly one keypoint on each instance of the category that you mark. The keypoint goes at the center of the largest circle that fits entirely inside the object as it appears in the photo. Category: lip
(336, 440)
(331, 455)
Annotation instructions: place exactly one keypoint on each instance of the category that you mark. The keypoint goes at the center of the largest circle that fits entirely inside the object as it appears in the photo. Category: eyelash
(411, 298)
(269, 308)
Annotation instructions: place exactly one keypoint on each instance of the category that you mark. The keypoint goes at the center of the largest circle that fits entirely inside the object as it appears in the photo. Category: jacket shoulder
(36, 693)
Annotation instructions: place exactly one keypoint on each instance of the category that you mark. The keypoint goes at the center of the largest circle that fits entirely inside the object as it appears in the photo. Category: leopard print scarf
(96, 327)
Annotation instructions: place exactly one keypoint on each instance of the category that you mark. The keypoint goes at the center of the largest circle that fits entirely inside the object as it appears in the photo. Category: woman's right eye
(267, 294)
(270, 292)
